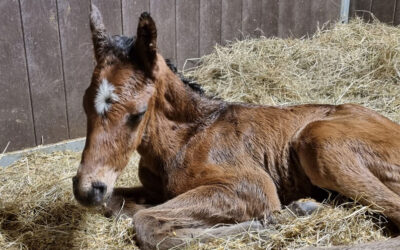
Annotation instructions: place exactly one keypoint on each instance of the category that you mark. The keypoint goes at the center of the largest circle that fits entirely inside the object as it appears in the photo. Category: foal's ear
(101, 40)
(144, 51)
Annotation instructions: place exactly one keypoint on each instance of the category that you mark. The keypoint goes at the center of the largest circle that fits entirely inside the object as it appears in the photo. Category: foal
(205, 161)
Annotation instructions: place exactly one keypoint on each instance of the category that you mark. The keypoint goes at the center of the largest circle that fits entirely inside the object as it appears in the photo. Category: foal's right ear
(144, 51)
(101, 40)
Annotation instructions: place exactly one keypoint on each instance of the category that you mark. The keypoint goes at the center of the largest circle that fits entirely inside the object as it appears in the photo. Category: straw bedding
(350, 63)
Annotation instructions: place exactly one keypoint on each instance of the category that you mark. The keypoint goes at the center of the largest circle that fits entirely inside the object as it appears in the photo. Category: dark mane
(192, 84)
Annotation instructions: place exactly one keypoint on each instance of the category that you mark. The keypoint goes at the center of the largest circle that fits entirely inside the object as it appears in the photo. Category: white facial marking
(105, 97)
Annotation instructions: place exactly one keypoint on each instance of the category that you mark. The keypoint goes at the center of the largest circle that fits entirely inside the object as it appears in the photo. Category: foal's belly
(291, 181)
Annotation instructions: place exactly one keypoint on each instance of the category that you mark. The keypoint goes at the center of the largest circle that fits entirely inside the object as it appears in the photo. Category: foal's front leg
(128, 201)
(187, 215)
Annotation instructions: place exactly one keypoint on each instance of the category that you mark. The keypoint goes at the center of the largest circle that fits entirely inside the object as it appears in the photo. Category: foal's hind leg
(189, 214)
(340, 165)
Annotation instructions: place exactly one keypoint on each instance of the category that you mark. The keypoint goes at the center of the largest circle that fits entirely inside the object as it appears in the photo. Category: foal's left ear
(145, 48)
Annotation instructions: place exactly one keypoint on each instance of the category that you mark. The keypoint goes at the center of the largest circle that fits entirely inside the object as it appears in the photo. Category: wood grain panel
(210, 25)
(286, 18)
(16, 122)
(270, 16)
(302, 18)
(187, 31)
(361, 8)
(163, 12)
(131, 10)
(332, 10)
(384, 10)
(111, 11)
(40, 24)
(396, 20)
(78, 59)
(231, 23)
(252, 18)
(324, 13)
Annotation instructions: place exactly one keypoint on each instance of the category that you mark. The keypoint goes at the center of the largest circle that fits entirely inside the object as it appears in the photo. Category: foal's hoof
(118, 205)
(304, 207)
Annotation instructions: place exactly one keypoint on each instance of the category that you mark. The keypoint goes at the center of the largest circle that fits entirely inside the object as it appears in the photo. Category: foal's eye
(109, 100)
(134, 119)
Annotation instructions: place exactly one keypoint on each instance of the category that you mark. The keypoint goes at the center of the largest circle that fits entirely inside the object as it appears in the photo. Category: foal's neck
(178, 113)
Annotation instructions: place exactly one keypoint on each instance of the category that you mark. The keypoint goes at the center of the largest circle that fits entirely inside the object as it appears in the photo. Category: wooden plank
(210, 25)
(131, 10)
(16, 122)
(361, 8)
(111, 12)
(78, 59)
(318, 14)
(384, 10)
(187, 31)
(252, 18)
(324, 13)
(45, 69)
(302, 16)
(332, 10)
(163, 12)
(286, 18)
(231, 23)
(396, 20)
(269, 22)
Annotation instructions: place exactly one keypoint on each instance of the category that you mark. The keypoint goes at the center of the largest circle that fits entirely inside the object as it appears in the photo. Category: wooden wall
(46, 53)
(387, 11)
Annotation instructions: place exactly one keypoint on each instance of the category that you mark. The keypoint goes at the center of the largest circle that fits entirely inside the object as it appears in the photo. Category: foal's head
(116, 105)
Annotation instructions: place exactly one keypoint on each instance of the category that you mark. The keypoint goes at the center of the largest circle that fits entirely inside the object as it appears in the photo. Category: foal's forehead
(121, 46)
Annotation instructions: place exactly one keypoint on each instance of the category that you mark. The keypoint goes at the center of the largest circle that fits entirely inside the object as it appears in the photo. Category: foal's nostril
(74, 180)
(99, 189)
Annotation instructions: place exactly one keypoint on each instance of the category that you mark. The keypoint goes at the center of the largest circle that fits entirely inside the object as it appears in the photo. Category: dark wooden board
(16, 122)
(131, 10)
(78, 59)
(324, 13)
(187, 31)
(361, 8)
(396, 20)
(43, 52)
(111, 12)
(318, 14)
(270, 16)
(231, 23)
(302, 18)
(163, 12)
(210, 25)
(332, 10)
(252, 18)
(286, 18)
(384, 10)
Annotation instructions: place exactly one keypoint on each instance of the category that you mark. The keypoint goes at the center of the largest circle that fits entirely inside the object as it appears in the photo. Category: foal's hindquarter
(230, 163)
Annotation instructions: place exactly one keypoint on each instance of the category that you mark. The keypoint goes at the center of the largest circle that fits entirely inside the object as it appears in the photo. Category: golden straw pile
(357, 63)
(349, 63)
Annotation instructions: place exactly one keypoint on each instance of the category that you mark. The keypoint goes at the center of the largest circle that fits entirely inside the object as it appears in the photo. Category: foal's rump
(356, 152)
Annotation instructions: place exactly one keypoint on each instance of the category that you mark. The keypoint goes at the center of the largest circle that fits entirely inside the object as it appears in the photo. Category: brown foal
(205, 161)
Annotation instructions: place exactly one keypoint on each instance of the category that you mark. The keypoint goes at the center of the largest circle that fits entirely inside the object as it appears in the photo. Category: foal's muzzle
(92, 196)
